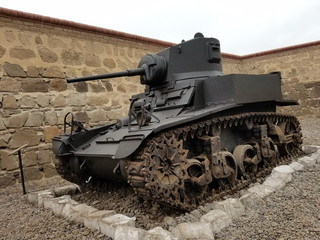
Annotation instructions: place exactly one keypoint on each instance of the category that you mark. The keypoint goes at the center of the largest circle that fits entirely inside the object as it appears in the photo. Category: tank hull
(194, 133)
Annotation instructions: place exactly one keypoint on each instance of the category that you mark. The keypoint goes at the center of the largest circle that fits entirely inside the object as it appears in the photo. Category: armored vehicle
(193, 134)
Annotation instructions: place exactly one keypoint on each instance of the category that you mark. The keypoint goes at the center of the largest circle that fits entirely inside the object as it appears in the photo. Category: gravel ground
(22, 221)
(291, 213)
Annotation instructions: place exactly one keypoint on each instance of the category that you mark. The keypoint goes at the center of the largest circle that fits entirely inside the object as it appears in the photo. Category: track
(190, 165)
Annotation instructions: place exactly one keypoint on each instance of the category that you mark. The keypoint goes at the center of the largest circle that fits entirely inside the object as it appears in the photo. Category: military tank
(192, 135)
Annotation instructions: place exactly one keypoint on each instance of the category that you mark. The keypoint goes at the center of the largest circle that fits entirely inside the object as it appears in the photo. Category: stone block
(24, 136)
(98, 100)
(14, 70)
(274, 182)
(9, 102)
(58, 85)
(127, 232)
(96, 87)
(283, 169)
(47, 55)
(308, 149)
(59, 203)
(32, 71)
(78, 213)
(66, 209)
(231, 206)
(196, 230)
(42, 196)
(43, 100)
(108, 225)
(261, 190)
(77, 100)
(307, 161)
(34, 85)
(50, 132)
(59, 101)
(81, 87)
(8, 162)
(38, 197)
(109, 63)
(32, 173)
(82, 117)
(158, 233)
(27, 102)
(16, 120)
(97, 115)
(218, 220)
(93, 220)
(35, 119)
(66, 190)
(44, 156)
(296, 166)
(53, 72)
(48, 202)
(10, 85)
(21, 53)
(51, 118)
(283, 172)
(29, 159)
(251, 201)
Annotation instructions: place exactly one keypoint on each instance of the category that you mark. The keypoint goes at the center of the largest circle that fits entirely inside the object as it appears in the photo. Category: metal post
(21, 172)
(20, 166)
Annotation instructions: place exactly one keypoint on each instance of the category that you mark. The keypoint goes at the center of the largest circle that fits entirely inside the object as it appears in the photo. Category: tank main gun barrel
(130, 72)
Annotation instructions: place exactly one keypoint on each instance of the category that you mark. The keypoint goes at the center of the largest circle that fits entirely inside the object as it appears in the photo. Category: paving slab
(196, 230)
(93, 220)
(109, 224)
(218, 220)
(124, 232)
(231, 206)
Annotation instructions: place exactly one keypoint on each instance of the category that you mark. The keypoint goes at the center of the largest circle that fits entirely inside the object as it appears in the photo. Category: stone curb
(118, 226)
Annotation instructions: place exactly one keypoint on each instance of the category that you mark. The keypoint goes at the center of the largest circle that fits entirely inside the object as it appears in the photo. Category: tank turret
(159, 68)
(192, 135)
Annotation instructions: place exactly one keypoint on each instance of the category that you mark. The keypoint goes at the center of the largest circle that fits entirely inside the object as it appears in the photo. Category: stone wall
(300, 69)
(38, 53)
(35, 60)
